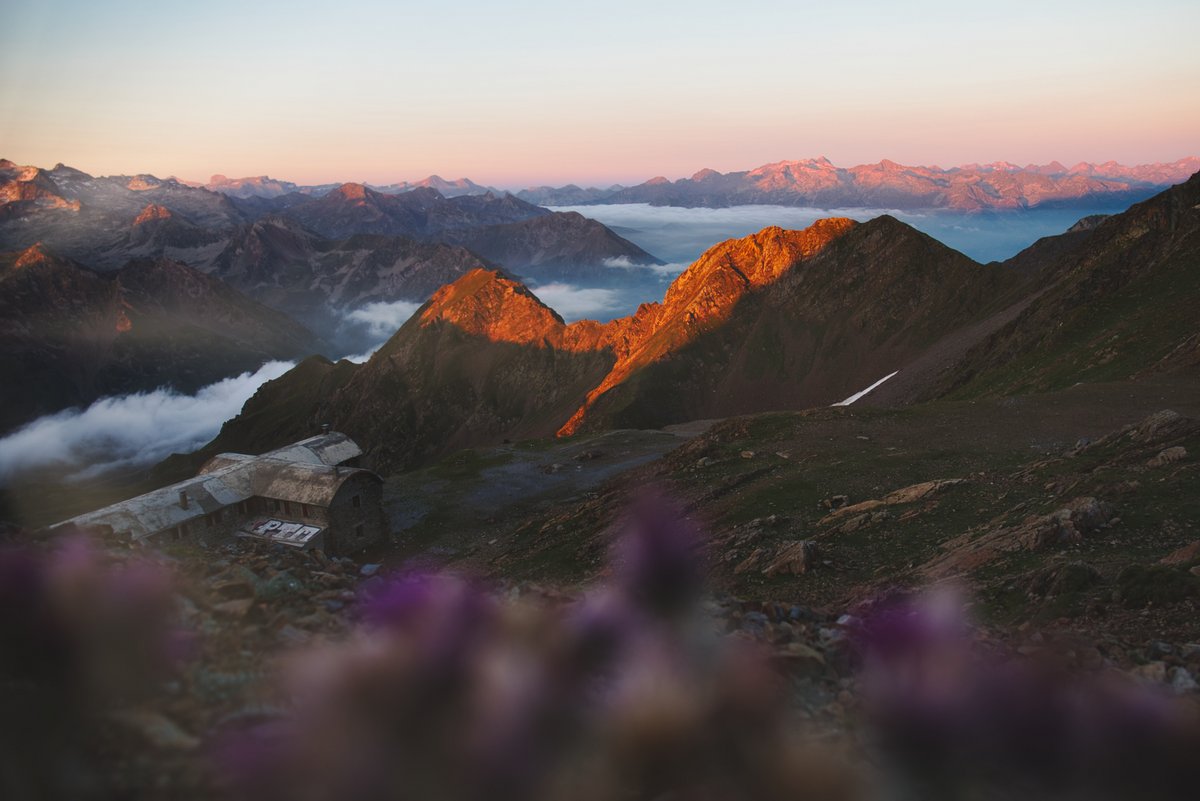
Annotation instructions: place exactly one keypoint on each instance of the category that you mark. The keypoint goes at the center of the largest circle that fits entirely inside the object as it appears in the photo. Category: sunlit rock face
(780, 319)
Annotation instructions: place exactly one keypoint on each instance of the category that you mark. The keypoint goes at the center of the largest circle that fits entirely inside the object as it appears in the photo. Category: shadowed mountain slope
(776, 320)
(783, 320)
(70, 335)
(1113, 302)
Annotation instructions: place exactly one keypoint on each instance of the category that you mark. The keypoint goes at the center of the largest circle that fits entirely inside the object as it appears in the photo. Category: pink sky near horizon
(592, 94)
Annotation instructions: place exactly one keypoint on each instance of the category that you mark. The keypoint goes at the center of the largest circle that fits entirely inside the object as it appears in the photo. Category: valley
(613, 401)
(845, 414)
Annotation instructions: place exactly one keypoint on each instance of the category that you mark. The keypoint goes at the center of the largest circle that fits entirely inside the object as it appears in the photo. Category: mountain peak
(350, 191)
(153, 212)
(34, 254)
(759, 259)
(493, 305)
(705, 174)
(140, 183)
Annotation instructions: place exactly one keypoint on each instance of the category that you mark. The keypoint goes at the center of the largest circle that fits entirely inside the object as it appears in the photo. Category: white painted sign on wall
(284, 531)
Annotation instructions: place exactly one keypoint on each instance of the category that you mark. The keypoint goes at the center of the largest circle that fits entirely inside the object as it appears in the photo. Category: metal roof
(304, 472)
(299, 483)
(328, 449)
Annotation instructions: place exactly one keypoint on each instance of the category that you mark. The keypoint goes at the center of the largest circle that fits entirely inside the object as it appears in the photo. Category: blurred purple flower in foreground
(447, 692)
(83, 637)
(954, 720)
(441, 688)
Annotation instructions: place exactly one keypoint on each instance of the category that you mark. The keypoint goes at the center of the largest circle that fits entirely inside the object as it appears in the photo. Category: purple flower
(658, 561)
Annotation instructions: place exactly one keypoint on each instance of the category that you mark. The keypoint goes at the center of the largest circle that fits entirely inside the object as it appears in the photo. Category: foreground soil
(763, 484)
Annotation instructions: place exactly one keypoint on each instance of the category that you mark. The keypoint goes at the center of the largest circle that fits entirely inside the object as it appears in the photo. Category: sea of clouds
(130, 430)
(680, 235)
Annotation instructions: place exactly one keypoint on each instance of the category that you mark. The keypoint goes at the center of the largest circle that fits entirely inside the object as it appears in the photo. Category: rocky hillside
(71, 335)
(782, 319)
(92, 220)
(278, 262)
(789, 319)
(483, 360)
(1112, 300)
(547, 246)
(526, 239)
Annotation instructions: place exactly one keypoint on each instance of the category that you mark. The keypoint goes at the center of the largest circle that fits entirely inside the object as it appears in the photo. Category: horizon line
(529, 184)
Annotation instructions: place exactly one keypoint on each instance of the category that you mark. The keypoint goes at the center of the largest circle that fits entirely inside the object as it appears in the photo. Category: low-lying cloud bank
(130, 430)
(625, 263)
(579, 303)
(680, 235)
(383, 318)
(365, 329)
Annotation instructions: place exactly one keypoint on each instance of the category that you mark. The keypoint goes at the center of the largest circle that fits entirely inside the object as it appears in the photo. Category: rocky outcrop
(905, 495)
(793, 559)
(1080, 518)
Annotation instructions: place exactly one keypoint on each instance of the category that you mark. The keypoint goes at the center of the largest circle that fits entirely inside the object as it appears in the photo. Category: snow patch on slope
(860, 395)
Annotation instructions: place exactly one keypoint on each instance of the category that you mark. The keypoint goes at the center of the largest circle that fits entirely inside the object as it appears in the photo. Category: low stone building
(304, 495)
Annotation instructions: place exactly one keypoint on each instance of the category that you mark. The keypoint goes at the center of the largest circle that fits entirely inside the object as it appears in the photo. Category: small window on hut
(358, 531)
(356, 501)
(304, 510)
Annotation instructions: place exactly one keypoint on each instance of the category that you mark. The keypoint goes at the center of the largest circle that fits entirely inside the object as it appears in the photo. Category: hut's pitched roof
(303, 472)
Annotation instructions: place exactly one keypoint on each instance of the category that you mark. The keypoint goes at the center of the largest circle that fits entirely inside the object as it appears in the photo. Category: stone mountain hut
(304, 495)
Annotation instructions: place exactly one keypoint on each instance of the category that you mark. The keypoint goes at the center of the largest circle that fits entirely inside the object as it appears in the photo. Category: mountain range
(819, 183)
(315, 256)
(267, 187)
(777, 320)
(99, 221)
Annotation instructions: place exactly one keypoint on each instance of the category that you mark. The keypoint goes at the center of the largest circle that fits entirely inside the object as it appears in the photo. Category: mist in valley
(679, 235)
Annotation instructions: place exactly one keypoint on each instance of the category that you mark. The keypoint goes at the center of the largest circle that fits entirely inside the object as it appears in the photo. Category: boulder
(925, 489)
(1183, 556)
(1068, 525)
(794, 559)
(1168, 456)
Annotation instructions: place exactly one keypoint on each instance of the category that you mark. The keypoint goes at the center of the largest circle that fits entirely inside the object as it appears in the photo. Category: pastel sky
(518, 93)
